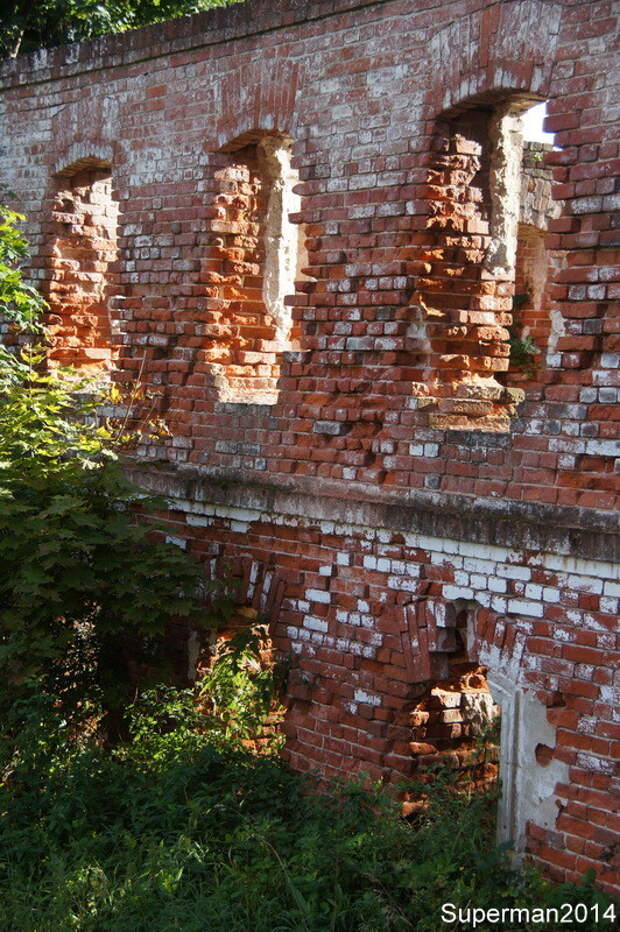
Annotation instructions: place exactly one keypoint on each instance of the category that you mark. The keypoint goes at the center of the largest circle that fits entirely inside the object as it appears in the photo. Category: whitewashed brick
(521, 607)
(586, 584)
(451, 593)
(318, 595)
(315, 624)
(368, 698)
(514, 572)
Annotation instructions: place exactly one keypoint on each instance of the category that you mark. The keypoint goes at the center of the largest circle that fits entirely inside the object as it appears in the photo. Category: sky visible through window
(533, 125)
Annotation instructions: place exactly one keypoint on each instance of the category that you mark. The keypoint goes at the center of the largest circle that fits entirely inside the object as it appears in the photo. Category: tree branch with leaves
(28, 25)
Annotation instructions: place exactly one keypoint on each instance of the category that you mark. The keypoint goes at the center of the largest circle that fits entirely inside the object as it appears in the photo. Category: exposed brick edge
(212, 27)
(528, 525)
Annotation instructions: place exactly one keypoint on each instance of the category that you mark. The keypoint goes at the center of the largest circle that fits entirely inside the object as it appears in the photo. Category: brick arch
(259, 95)
(261, 587)
(531, 767)
(83, 155)
(502, 48)
(428, 638)
(91, 127)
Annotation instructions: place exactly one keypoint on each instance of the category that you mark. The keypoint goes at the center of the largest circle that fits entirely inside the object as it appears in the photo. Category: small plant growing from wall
(523, 350)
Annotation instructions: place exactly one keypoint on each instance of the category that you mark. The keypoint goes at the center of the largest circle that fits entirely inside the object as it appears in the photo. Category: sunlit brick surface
(368, 461)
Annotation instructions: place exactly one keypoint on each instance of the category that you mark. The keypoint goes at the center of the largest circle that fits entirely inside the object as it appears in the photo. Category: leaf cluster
(27, 26)
(523, 350)
(239, 692)
(20, 304)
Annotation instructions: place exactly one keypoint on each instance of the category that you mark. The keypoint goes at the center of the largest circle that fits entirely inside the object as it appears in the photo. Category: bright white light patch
(533, 125)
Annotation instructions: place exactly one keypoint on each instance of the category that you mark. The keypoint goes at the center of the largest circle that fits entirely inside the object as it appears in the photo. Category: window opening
(465, 296)
(254, 259)
(534, 327)
(456, 724)
(477, 720)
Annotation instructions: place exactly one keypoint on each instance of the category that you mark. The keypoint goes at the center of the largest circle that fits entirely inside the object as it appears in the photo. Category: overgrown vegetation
(86, 591)
(240, 693)
(174, 823)
(170, 831)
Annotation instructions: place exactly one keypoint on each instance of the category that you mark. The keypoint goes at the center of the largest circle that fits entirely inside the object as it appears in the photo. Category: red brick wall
(81, 249)
(383, 484)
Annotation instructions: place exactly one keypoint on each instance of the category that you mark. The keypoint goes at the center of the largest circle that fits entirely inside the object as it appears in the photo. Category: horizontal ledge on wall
(531, 526)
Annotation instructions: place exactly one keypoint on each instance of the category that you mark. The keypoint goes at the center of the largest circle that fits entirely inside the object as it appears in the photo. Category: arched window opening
(476, 718)
(84, 245)
(456, 724)
(254, 259)
(469, 254)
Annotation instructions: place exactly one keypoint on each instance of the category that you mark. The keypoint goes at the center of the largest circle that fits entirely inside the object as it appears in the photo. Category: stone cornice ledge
(530, 526)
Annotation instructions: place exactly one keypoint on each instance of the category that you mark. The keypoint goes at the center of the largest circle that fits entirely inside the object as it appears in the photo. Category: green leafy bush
(26, 26)
(20, 303)
(86, 590)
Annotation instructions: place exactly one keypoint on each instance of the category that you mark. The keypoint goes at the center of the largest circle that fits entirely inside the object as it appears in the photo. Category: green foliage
(20, 303)
(522, 353)
(86, 590)
(82, 580)
(522, 348)
(239, 691)
(169, 831)
(27, 26)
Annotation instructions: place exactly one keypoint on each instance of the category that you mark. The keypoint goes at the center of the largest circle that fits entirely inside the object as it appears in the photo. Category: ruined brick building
(310, 231)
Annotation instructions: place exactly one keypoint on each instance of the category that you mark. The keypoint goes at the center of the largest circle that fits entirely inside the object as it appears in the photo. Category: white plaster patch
(368, 698)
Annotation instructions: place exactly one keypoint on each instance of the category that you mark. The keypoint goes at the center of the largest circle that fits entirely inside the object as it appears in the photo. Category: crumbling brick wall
(81, 249)
(392, 472)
